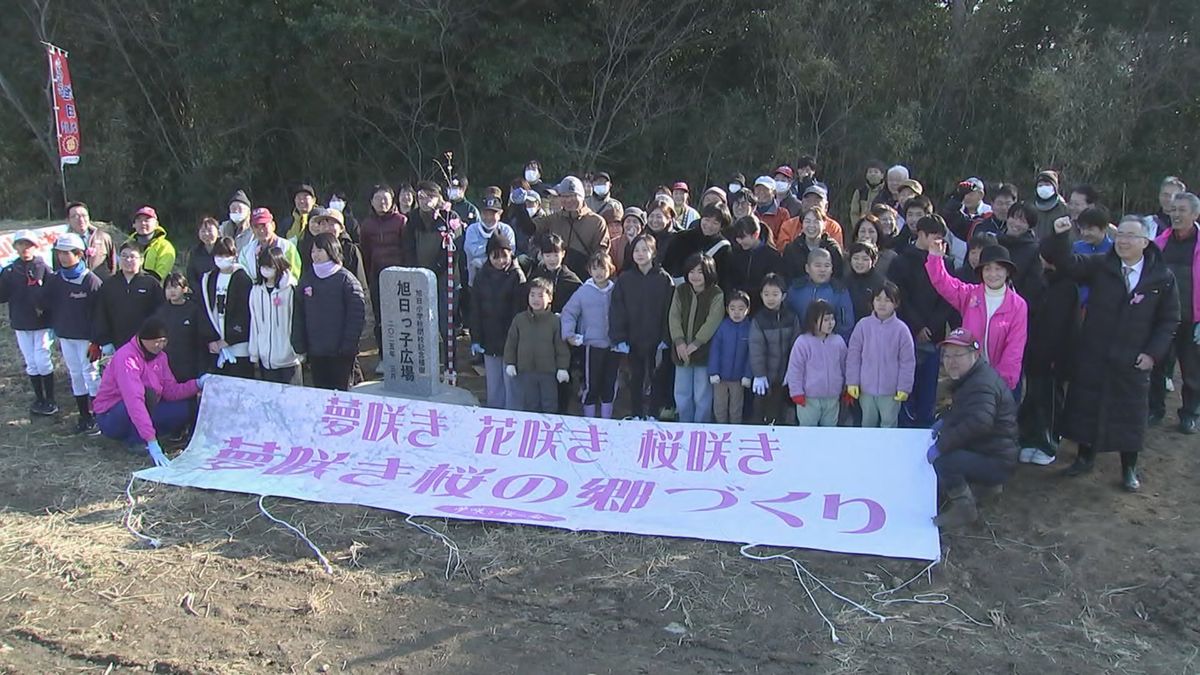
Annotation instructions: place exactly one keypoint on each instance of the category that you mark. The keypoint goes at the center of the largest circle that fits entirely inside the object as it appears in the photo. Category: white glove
(510, 371)
(759, 386)
(715, 379)
(562, 376)
(575, 340)
(201, 380)
(746, 382)
(108, 349)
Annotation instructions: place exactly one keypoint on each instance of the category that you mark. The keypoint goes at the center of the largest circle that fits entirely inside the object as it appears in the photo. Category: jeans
(879, 411)
(955, 469)
(917, 411)
(168, 417)
(819, 412)
(693, 394)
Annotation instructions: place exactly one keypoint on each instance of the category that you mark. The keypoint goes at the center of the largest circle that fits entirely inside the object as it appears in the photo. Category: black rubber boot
(38, 407)
(961, 509)
(50, 406)
(1083, 463)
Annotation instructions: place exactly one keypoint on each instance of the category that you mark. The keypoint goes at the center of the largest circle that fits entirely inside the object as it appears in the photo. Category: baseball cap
(816, 190)
(571, 185)
(260, 216)
(765, 180)
(25, 235)
(976, 184)
(69, 242)
(680, 185)
(147, 211)
(785, 170)
(492, 204)
(961, 337)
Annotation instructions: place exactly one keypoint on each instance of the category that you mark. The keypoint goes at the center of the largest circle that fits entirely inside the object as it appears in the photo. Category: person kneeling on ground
(139, 398)
(976, 439)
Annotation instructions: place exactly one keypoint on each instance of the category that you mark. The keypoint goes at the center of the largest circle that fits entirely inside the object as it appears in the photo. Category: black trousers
(1040, 414)
(959, 467)
(280, 375)
(331, 372)
(599, 375)
(651, 382)
(1187, 353)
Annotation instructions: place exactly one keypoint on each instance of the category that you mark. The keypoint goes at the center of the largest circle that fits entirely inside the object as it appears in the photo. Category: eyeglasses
(1128, 236)
(950, 356)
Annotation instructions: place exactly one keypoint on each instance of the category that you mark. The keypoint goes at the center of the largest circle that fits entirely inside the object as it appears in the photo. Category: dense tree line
(181, 101)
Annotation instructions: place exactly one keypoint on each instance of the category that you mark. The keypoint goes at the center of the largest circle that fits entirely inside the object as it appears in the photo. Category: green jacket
(535, 343)
(694, 320)
(158, 254)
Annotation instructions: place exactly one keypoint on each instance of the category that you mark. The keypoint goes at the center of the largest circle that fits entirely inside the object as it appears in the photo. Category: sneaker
(50, 408)
(87, 427)
(379, 368)
(1040, 457)
(1170, 385)
(1187, 426)
(43, 408)
(1026, 455)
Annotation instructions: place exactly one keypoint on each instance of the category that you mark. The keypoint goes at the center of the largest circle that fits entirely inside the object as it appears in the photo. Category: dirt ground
(1063, 576)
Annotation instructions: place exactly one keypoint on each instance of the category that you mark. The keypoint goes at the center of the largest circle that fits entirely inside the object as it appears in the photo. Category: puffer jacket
(329, 315)
(772, 334)
(638, 313)
(127, 378)
(982, 417)
(158, 252)
(729, 354)
(496, 297)
(382, 236)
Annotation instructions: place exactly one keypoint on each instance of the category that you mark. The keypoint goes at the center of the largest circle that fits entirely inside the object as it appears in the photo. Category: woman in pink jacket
(991, 310)
(139, 397)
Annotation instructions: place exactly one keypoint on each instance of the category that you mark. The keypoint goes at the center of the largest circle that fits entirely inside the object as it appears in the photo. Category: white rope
(924, 598)
(298, 533)
(802, 572)
(453, 555)
(152, 542)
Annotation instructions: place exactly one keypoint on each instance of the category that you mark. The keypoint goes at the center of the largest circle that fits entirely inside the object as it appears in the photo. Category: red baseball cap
(260, 216)
(147, 211)
(961, 337)
(681, 186)
(785, 170)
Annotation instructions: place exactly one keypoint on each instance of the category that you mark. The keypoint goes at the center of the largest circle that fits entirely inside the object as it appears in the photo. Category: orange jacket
(793, 228)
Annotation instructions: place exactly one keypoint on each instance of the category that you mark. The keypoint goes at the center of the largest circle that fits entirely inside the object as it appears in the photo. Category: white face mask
(532, 210)
(268, 272)
(601, 189)
(782, 186)
(532, 176)
(337, 205)
(224, 263)
(237, 216)
(734, 188)
(1045, 191)
(455, 193)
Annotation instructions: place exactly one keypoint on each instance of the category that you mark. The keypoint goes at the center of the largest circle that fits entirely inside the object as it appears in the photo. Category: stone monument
(411, 349)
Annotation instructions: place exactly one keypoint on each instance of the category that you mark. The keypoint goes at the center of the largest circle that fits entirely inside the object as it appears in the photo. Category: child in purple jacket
(880, 361)
(817, 368)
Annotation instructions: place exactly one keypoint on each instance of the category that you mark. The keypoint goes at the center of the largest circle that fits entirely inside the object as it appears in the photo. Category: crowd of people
(753, 305)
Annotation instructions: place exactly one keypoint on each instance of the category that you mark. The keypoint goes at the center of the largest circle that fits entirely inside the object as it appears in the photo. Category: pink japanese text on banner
(867, 491)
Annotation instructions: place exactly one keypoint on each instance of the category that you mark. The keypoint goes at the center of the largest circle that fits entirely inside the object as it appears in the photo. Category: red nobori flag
(66, 114)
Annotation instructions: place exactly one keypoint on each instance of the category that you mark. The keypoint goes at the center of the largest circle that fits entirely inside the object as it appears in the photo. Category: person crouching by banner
(975, 441)
(70, 299)
(139, 397)
(226, 294)
(21, 286)
(272, 307)
(330, 316)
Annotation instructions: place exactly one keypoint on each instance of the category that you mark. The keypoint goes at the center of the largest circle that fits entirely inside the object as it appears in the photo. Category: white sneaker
(379, 368)
(1170, 385)
(1026, 455)
(1040, 458)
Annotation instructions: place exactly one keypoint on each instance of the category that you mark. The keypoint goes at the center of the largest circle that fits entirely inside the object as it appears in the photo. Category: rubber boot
(606, 411)
(589, 410)
(86, 423)
(48, 387)
(38, 407)
(961, 509)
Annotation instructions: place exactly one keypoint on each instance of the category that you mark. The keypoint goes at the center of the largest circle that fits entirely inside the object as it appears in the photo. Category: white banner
(864, 491)
(46, 236)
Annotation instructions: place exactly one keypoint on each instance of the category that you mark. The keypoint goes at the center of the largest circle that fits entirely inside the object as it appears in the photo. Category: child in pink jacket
(992, 310)
(816, 374)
